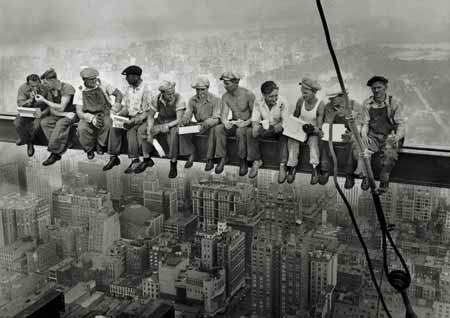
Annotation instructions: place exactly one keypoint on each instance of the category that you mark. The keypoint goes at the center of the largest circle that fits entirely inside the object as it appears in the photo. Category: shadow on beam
(421, 166)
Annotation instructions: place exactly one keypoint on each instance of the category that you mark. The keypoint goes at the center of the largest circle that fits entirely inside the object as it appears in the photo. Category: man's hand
(241, 123)
(116, 107)
(149, 137)
(365, 139)
(129, 124)
(318, 132)
(89, 117)
(228, 124)
(396, 138)
(40, 98)
(164, 128)
(278, 128)
(69, 115)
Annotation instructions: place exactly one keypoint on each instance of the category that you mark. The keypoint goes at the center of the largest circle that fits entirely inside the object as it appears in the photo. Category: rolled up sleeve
(217, 108)
(181, 104)
(399, 117)
(147, 99)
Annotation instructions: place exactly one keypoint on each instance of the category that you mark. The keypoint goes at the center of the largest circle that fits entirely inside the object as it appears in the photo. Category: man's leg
(284, 155)
(87, 137)
(133, 148)
(59, 139)
(389, 156)
(326, 167)
(146, 149)
(241, 140)
(114, 147)
(221, 145)
(174, 144)
(186, 148)
(253, 151)
(103, 133)
(211, 146)
(351, 156)
(48, 124)
(314, 157)
(22, 125)
(293, 147)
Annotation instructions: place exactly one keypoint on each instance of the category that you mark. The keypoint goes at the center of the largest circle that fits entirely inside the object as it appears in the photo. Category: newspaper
(293, 128)
(118, 121)
(29, 112)
(338, 131)
(189, 130)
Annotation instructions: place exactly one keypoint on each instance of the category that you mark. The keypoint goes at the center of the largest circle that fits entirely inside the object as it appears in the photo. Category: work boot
(133, 165)
(52, 159)
(20, 142)
(282, 173)
(254, 170)
(190, 162)
(90, 155)
(100, 150)
(147, 163)
(291, 174)
(314, 176)
(30, 150)
(243, 167)
(113, 161)
(349, 182)
(384, 186)
(365, 184)
(209, 165)
(173, 170)
(220, 166)
(323, 178)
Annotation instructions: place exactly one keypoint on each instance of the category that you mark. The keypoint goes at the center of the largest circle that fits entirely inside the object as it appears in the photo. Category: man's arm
(188, 113)
(320, 115)
(22, 99)
(251, 105)
(225, 110)
(399, 120)
(55, 106)
(82, 115)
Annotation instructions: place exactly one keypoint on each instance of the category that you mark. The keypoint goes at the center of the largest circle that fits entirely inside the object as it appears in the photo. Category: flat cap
(377, 78)
(89, 73)
(228, 76)
(166, 85)
(50, 73)
(132, 70)
(200, 82)
(335, 91)
(310, 83)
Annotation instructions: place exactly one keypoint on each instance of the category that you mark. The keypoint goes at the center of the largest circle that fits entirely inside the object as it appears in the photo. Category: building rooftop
(137, 214)
(180, 219)
(128, 281)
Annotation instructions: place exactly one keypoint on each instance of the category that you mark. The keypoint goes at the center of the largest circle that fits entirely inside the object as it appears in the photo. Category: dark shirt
(24, 96)
(64, 89)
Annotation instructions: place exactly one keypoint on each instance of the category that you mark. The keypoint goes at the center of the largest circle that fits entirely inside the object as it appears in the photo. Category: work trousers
(57, 131)
(27, 128)
(91, 136)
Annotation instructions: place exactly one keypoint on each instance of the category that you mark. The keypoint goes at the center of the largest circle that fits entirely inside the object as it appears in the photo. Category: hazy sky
(24, 21)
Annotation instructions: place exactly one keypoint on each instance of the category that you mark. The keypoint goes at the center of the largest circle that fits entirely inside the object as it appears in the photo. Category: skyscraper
(323, 273)
(9, 179)
(104, 230)
(214, 202)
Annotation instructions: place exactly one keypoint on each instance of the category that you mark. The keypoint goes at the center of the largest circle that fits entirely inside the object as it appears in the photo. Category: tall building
(231, 256)
(323, 273)
(137, 222)
(214, 202)
(41, 180)
(114, 184)
(161, 201)
(21, 217)
(96, 175)
(265, 180)
(9, 176)
(294, 275)
(42, 257)
(182, 226)
(416, 202)
(137, 259)
(104, 230)
(13, 257)
(168, 274)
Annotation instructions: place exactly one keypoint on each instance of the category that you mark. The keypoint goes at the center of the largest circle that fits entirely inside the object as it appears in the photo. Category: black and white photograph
(229, 159)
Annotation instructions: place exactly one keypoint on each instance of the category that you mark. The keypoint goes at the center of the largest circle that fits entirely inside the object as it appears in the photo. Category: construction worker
(239, 101)
(310, 110)
(62, 116)
(93, 104)
(267, 122)
(135, 105)
(170, 107)
(206, 108)
(28, 128)
(384, 128)
(335, 113)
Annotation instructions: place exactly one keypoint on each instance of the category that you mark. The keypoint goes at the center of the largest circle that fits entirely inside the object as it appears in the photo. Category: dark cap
(132, 70)
(375, 79)
(310, 83)
(49, 74)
